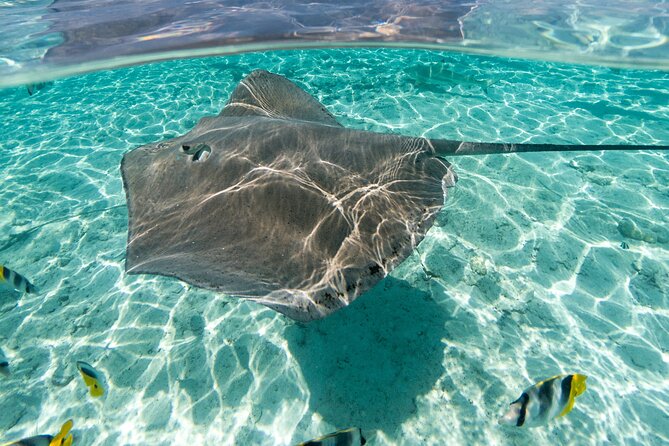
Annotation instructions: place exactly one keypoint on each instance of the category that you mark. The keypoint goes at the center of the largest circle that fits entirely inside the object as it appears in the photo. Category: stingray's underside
(275, 201)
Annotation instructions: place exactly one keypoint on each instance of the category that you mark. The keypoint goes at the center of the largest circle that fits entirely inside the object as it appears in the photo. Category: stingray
(275, 201)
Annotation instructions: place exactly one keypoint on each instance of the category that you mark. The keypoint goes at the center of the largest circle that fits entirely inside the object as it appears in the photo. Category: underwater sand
(522, 276)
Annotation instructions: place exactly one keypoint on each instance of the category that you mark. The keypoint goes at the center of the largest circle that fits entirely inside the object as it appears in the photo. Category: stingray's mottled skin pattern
(275, 201)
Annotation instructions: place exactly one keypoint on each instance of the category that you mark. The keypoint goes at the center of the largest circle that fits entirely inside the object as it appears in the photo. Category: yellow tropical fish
(16, 281)
(92, 379)
(544, 401)
(63, 438)
(346, 437)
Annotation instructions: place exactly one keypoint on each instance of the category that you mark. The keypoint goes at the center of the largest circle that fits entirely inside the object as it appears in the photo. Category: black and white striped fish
(16, 281)
(545, 401)
(347, 437)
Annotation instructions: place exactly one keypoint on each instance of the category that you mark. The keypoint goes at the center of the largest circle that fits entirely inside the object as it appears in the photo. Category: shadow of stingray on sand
(355, 361)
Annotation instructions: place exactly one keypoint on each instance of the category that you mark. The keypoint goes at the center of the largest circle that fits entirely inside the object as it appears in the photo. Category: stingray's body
(274, 200)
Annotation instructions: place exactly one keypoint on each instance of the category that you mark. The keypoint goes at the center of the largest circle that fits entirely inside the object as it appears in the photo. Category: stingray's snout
(198, 152)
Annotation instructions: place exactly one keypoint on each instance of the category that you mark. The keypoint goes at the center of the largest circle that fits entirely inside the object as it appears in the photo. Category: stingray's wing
(262, 93)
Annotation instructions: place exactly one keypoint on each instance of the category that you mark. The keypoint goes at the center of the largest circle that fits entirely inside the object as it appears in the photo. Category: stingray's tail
(445, 147)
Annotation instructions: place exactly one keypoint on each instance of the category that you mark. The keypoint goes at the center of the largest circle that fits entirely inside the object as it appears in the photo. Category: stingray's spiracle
(199, 152)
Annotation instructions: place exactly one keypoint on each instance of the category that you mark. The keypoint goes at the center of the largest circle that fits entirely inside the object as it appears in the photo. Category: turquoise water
(522, 276)
(47, 39)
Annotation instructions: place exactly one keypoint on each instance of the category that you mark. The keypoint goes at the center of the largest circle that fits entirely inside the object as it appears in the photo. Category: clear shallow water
(45, 39)
(521, 278)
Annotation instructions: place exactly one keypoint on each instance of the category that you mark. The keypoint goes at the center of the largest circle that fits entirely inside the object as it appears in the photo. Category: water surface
(44, 39)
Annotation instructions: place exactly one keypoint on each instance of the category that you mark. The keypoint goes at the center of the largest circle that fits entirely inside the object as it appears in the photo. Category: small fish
(92, 379)
(63, 438)
(346, 437)
(545, 401)
(16, 281)
(4, 364)
(624, 245)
